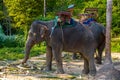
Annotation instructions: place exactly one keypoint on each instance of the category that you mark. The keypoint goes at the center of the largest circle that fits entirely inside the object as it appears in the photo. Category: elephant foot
(24, 66)
(60, 72)
(23, 62)
(85, 71)
(74, 57)
(48, 69)
(92, 72)
(98, 60)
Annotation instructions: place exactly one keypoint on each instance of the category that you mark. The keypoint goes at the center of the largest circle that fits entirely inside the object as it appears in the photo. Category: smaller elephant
(99, 35)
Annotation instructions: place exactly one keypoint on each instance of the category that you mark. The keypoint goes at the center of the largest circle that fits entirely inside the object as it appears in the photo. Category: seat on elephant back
(64, 14)
(65, 18)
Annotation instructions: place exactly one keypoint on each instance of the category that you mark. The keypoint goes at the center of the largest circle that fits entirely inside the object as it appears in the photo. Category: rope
(55, 21)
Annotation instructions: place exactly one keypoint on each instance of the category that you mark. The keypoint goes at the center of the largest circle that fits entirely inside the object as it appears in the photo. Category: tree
(108, 59)
(44, 8)
(23, 12)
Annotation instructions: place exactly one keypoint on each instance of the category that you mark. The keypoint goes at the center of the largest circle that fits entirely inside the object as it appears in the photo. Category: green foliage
(1, 12)
(12, 41)
(115, 45)
(116, 18)
(1, 31)
(9, 41)
(1, 15)
(23, 12)
(18, 52)
(11, 53)
(20, 41)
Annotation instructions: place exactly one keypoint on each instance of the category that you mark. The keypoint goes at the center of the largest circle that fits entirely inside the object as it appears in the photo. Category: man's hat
(71, 6)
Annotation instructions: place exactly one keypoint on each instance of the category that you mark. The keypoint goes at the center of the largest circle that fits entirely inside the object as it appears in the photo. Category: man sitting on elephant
(65, 17)
(87, 18)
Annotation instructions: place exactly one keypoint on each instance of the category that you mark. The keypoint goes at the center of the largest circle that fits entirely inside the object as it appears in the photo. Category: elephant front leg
(49, 59)
(29, 45)
(58, 59)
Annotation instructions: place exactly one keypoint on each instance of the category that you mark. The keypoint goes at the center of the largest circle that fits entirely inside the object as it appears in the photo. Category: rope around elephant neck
(55, 24)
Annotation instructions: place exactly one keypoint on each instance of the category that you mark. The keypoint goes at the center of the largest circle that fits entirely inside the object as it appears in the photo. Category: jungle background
(16, 17)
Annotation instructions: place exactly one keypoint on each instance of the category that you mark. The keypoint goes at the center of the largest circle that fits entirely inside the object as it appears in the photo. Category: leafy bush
(15, 53)
(2, 38)
(20, 40)
(11, 41)
(11, 53)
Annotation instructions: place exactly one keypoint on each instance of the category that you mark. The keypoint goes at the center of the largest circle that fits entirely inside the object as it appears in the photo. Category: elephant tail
(104, 32)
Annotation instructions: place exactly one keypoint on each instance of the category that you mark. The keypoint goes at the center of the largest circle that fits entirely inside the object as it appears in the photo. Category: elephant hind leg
(100, 51)
(89, 65)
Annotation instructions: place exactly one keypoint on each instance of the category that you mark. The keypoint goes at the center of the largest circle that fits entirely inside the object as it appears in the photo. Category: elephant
(78, 38)
(99, 35)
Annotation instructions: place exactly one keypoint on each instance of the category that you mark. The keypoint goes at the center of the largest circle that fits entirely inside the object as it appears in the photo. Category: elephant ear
(43, 30)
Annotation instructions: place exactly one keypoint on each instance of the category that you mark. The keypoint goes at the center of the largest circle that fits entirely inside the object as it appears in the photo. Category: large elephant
(71, 39)
(99, 35)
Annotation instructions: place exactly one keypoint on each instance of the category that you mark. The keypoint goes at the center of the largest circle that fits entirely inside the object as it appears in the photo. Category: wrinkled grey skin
(72, 39)
(99, 35)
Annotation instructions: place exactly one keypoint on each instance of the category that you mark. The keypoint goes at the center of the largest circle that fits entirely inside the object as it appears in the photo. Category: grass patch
(115, 45)
(15, 53)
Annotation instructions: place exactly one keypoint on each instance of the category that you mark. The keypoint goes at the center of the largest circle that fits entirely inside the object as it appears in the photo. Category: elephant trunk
(28, 46)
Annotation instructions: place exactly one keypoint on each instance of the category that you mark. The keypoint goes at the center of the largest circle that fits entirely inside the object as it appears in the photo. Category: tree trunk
(44, 8)
(108, 59)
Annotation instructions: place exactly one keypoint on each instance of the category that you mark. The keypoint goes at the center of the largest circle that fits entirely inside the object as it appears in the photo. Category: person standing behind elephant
(70, 9)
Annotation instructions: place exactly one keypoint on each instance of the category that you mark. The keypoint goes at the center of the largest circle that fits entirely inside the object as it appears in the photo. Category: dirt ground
(34, 70)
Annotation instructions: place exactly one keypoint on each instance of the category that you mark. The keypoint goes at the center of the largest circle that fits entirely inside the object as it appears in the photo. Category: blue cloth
(87, 22)
(71, 21)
